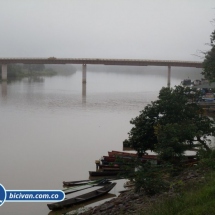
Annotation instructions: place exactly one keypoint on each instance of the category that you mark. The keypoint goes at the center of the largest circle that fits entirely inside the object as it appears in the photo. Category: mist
(138, 29)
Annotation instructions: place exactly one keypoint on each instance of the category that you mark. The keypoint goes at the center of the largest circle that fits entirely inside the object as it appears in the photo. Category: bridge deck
(128, 62)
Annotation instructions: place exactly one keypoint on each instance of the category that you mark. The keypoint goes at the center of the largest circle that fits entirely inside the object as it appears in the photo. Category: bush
(207, 159)
(151, 178)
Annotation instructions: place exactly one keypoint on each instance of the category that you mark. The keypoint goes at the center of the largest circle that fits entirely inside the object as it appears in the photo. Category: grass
(194, 199)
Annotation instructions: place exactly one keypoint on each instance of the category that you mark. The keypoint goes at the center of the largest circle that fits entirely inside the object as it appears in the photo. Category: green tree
(209, 61)
(170, 125)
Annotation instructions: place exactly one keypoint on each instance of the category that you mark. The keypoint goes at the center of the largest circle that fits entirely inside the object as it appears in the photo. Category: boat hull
(79, 183)
(82, 198)
(104, 173)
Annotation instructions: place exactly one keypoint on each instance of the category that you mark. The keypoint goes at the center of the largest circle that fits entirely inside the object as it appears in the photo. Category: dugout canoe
(79, 183)
(118, 153)
(82, 198)
(101, 182)
(112, 166)
(145, 156)
(103, 173)
(127, 154)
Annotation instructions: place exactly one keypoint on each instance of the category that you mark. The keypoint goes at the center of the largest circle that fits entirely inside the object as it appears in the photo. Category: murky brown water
(52, 129)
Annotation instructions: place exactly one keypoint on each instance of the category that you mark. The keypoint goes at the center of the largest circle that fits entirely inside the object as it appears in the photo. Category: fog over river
(53, 129)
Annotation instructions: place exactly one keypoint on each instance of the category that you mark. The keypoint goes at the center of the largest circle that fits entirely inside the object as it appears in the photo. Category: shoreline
(129, 202)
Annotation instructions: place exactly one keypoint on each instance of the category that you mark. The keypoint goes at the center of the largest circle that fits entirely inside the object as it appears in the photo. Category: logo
(30, 195)
(2, 195)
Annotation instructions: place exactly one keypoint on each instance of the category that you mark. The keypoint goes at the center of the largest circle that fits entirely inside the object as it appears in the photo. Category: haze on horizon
(138, 29)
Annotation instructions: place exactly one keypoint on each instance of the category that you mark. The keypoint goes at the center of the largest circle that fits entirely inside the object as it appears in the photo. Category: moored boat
(127, 157)
(103, 173)
(100, 182)
(79, 183)
(127, 154)
(208, 97)
(186, 82)
(108, 159)
(110, 169)
(118, 153)
(102, 167)
(82, 198)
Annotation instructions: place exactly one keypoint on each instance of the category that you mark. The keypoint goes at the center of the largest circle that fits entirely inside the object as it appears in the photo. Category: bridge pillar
(4, 72)
(169, 74)
(84, 73)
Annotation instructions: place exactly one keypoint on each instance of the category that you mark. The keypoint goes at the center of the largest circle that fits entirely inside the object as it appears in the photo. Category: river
(53, 129)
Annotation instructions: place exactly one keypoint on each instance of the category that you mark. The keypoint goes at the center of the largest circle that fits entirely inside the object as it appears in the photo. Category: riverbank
(25, 74)
(19, 71)
(130, 202)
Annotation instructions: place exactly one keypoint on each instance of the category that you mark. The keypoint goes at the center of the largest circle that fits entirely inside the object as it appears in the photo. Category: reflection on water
(49, 136)
(84, 92)
(4, 89)
(33, 79)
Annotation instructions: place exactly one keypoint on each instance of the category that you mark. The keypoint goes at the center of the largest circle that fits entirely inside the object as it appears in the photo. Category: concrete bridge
(84, 61)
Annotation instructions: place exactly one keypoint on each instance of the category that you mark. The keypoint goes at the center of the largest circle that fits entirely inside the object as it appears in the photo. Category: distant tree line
(24, 70)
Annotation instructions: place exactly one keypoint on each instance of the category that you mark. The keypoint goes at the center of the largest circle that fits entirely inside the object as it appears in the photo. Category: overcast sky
(142, 29)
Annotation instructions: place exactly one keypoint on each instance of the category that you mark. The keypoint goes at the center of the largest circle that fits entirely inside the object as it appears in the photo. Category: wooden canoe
(145, 157)
(103, 173)
(106, 167)
(109, 159)
(117, 153)
(113, 159)
(110, 169)
(82, 198)
(74, 208)
(100, 182)
(79, 183)
(127, 154)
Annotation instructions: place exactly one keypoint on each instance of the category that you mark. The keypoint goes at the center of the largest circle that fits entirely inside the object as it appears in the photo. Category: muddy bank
(130, 202)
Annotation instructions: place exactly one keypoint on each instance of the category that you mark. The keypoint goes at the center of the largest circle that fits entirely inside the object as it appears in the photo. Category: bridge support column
(84, 73)
(169, 74)
(4, 72)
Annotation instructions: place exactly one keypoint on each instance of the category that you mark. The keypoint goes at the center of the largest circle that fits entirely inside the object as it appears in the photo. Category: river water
(53, 129)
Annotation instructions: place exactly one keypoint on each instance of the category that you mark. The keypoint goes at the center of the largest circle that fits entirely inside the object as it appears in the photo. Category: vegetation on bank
(171, 125)
(209, 61)
(168, 126)
(194, 197)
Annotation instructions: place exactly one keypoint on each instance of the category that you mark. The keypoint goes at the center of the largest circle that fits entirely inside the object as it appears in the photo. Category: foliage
(171, 125)
(195, 198)
(209, 61)
(141, 136)
(150, 178)
(207, 159)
